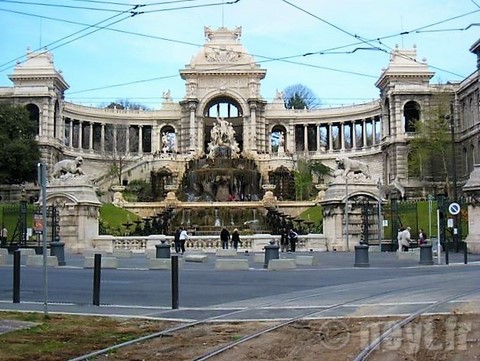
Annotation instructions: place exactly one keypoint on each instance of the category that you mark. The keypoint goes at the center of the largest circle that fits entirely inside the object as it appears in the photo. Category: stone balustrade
(250, 243)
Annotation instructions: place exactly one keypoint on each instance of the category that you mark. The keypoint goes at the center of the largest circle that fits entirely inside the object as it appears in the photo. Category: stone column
(318, 138)
(102, 138)
(70, 131)
(80, 134)
(140, 139)
(90, 137)
(305, 137)
(342, 135)
(330, 137)
(192, 131)
(249, 142)
(364, 132)
(127, 140)
(354, 135)
(374, 132)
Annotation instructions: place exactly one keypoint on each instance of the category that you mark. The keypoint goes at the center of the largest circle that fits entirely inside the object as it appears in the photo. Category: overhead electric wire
(369, 42)
(133, 13)
(95, 26)
(60, 6)
(268, 59)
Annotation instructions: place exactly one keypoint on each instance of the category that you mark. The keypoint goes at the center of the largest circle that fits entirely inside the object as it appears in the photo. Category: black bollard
(426, 255)
(16, 276)
(174, 264)
(271, 252)
(361, 256)
(97, 270)
(162, 250)
(58, 249)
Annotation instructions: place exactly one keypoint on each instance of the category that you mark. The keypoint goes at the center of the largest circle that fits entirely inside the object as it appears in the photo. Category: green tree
(303, 180)
(125, 104)
(430, 149)
(298, 96)
(303, 177)
(19, 151)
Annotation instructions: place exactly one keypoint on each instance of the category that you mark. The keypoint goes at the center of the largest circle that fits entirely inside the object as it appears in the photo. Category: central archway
(227, 109)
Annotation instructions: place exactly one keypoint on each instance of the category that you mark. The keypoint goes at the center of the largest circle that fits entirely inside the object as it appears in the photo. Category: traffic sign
(454, 208)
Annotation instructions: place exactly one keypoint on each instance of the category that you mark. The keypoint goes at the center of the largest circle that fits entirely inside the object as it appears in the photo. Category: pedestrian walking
(284, 240)
(403, 239)
(176, 240)
(293, 238)
(183, 239)
(225, 237)
(235, 238)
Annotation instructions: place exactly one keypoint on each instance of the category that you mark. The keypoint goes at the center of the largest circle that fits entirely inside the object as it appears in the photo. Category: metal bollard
(174, 264)
(97, 270)
(16, 276)
(271, 252)
(361, 256)
(162, 250)
(426, 255)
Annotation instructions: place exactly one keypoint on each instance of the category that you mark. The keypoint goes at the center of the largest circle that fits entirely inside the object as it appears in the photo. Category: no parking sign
(454, 208)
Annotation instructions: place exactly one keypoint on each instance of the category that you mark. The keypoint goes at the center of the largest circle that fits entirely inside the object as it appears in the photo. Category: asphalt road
(204, 291)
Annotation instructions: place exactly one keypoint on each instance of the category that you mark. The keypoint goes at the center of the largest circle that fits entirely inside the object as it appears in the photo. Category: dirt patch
(435, 337)
(439, 337)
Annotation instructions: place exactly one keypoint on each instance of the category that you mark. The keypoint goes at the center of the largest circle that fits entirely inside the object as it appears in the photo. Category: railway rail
(305, 315)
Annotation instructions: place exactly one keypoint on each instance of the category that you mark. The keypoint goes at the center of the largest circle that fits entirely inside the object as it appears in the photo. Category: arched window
(34, 115)
(278, 139)
(223, 107)
(411, 114)
(228, 109)
(168, 139)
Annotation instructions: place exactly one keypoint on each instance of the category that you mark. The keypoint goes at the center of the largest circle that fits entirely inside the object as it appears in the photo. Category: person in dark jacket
(235, 238)
(284, 240)
(293, 238)
(225, 237)
(176, 240)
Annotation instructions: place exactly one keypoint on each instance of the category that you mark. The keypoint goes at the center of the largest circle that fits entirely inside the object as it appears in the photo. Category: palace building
(223, 86)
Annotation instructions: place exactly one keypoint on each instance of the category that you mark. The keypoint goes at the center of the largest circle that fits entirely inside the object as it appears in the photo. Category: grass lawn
(62, 337)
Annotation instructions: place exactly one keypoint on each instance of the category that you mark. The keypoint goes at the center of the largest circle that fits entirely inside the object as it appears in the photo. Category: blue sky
(147, 50)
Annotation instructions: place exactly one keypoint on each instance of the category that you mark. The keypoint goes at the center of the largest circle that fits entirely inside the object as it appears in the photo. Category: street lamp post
(379, 186)
(451, 118)
(346, 213)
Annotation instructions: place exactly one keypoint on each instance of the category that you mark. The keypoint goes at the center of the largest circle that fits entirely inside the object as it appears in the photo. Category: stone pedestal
(334, 217)
(472, 191)
(78, 207)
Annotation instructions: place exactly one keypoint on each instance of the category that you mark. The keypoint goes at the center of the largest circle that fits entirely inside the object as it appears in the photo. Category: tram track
(244, 339)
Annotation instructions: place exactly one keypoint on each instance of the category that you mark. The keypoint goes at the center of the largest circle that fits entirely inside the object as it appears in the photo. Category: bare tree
(125, 104)
(121, 144)
(299, 96)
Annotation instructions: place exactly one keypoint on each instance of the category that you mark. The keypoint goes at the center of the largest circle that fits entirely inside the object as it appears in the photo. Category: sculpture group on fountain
(222, 140)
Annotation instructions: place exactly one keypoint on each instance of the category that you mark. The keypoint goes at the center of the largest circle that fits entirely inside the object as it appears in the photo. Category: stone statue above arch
(68, 168)
(346, 166)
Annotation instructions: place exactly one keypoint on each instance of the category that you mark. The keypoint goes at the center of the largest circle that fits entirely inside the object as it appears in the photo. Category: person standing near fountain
(176, 240)
(225, 237)
(293, 237)
(235, 238)
(183, 238)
